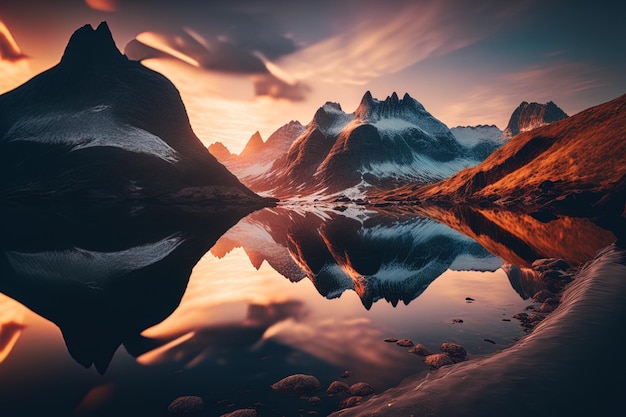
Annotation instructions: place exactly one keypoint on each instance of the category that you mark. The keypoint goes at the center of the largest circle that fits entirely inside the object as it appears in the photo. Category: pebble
(419, 349)
(404, 343)
(336, 387)
(362, 389)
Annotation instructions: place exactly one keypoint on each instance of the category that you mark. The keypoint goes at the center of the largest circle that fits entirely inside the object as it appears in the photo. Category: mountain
(378, 257)
(220, 151)
(528, 116)
(573, 166)
(257, 157)
(482, 140)
(382, 144)
(99, 127)
(105, 274)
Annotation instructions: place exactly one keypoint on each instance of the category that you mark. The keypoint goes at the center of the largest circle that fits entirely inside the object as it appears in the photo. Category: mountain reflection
(104, 276)
(378, 257)
(520, 238)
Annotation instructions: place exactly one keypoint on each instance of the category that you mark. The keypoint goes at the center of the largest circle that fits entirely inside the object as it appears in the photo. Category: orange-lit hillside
(578, 160)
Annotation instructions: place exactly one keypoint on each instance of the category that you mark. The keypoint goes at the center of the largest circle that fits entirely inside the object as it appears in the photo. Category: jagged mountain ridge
(98, 126)
(379, 257)
(528, 116)
(381, 144)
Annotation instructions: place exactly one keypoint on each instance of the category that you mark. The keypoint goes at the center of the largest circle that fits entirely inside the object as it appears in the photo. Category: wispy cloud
(381, 41)
(103, 5)
(557, 81)
(9, 50)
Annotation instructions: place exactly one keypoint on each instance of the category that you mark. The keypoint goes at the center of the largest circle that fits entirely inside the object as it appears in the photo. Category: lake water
(121, 311)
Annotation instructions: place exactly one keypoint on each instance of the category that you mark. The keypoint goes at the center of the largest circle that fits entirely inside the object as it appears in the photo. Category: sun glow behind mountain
(244, 66)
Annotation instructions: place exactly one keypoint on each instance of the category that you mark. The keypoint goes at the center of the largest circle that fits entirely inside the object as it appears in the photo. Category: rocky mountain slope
(528, 116)
(573, 166)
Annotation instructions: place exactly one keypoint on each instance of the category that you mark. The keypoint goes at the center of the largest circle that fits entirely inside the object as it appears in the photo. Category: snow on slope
(94, 127)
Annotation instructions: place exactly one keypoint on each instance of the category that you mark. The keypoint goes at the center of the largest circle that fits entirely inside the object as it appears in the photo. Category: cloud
(385, 39)
(271, 86)
(103, 5)
(219, 53)
(9, 51)
(559, 81)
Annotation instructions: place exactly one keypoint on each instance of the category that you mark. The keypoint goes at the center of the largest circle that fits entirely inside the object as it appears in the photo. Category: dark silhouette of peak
(92, 47)
(391, 107)
(528, 116)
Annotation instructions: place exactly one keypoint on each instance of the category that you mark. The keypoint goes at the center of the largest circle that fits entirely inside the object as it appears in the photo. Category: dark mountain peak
(327, 115)
(89, 47)
(367, 99)
(528, 116)
(254, 145)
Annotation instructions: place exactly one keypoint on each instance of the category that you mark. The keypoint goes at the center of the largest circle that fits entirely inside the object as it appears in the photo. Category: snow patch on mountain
(90, 266)
(422, 168)
(470, 136)
(93, 127)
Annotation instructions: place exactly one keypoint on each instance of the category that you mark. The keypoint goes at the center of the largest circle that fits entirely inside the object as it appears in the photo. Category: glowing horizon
(243, 67)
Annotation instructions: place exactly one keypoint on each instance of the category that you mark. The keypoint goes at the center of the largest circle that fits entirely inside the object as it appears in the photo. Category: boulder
(457, 352)
(362, 389)
(186, 406)
(336, 387)
(419, 349)
(438, 360)
(298, 384)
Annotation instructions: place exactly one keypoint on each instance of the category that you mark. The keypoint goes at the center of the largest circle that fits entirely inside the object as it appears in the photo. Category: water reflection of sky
(339, 332)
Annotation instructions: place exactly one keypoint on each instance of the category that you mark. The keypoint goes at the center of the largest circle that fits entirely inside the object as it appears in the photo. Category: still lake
(121, 311)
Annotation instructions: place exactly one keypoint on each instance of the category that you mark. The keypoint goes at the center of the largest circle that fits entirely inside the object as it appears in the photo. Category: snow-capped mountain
(98, 126)
(382, 144)
(482, 140)
(376, 256)
(573, 166)
(528, 116)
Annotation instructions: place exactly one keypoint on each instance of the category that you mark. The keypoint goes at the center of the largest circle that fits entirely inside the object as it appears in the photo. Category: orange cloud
(103, 5)
(9, 51)
(11, 324)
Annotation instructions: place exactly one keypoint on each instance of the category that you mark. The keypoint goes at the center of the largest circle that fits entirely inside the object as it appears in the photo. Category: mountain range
(99, 127)
(379, 257)
(573, 166)
(381, 145)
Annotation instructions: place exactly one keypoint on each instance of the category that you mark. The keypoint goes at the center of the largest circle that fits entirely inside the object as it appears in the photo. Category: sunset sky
(243, 66)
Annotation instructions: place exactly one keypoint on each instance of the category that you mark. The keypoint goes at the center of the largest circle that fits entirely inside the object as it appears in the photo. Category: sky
(243, 66)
